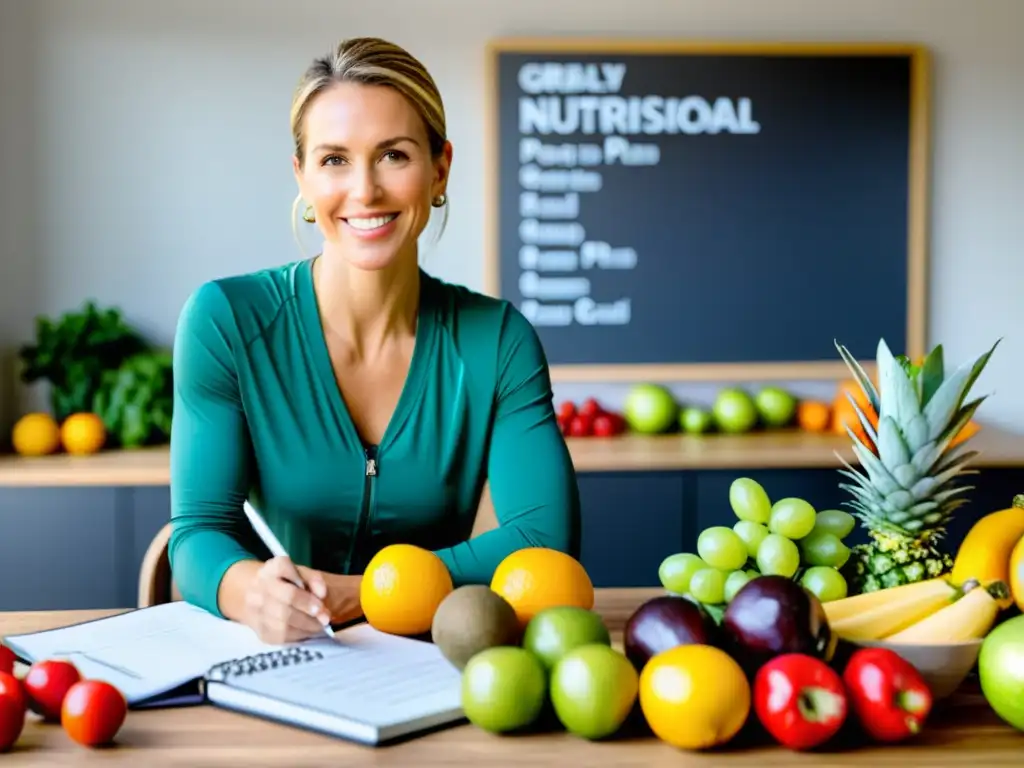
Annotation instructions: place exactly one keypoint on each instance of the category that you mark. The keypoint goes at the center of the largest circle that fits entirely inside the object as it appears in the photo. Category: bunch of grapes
(788, 538)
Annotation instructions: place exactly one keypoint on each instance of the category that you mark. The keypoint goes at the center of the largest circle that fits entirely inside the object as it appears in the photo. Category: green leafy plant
(73, 352)
(135, 400)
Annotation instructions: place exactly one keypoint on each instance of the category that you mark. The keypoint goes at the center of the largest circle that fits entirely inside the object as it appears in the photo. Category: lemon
(35, 434)
(83, 433)
(694, 696)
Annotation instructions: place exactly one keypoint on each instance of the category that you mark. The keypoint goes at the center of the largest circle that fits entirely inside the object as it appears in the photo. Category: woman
(355, 400)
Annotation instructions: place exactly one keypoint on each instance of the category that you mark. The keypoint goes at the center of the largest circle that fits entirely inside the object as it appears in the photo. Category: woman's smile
(371, 227)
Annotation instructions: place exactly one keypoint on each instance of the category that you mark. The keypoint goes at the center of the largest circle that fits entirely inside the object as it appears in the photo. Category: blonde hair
(370, 61)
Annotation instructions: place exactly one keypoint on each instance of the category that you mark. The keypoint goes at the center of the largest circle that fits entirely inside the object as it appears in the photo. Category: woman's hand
(342, 600)
(281, 612)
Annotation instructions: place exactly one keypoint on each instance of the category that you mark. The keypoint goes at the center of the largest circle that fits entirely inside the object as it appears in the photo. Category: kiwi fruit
(471, 619)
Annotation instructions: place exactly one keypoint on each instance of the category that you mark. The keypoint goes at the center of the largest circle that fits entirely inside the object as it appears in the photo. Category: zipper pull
(371, 467)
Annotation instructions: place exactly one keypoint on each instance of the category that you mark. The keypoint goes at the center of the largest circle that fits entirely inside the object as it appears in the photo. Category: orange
(36, 434)
(83, 433)
(694, 696)
(535, 578)
(401, 588)
(844, 414)
(813, 415)
(967, 431)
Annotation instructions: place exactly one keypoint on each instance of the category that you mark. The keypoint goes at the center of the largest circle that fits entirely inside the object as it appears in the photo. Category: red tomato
(581, 426)
(11, 686)
(46, 684)
(6, 659)
(608, 424)
(604, 426)
(93, 712)
(590, 408)
(567, 410)
(12, 710)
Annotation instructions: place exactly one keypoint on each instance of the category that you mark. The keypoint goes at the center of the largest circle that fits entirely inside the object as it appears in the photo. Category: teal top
(258, 415)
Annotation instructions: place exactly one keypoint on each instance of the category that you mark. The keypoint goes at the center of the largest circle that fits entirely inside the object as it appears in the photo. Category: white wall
(146, 147)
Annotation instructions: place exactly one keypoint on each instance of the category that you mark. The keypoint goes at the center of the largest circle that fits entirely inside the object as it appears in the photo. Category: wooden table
(786, 449)
(963, 732)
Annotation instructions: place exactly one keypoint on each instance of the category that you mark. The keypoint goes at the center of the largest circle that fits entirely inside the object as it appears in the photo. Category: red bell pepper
(800, 700)
(890, 698)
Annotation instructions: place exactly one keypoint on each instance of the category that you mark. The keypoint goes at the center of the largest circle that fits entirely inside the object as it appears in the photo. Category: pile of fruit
(532, 653)
(91, 712)
(39, 434)
(589, 419)
(770, 664)
(776, 660)
(788, 538)
(652, 409)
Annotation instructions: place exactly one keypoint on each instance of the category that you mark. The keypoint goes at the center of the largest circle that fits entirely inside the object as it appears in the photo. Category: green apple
(734, 411)
(1001, 670)
(776, 406)
(649, 409)
(694, 421)
(504, 688)
(555, 631)
(593, 689)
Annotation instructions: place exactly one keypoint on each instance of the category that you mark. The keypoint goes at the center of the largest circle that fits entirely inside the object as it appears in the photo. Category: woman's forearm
(233, 587)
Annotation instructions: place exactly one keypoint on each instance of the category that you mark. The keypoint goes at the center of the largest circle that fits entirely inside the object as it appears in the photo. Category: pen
(275, 546)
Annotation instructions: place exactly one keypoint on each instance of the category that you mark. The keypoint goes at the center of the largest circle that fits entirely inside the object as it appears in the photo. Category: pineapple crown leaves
(919, 410)
(907, 483)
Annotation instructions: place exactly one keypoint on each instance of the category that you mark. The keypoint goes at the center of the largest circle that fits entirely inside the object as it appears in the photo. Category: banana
(984, 554)
(858, 604)
(969, 618)
(902, 608)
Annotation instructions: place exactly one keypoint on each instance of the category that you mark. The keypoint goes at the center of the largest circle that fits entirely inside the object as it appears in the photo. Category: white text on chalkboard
(573, 77)
(595, 106)
(646, 115)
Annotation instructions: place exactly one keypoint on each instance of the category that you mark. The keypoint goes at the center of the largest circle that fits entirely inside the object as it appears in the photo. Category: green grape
(752, 573)
(752, 534)
(825, 583)
(676, 571)
(749, 501)
(821, 548)
(835, 521)
(778, 556)
(708, 586)
(792, 518)
(734, 582)
(721, 548)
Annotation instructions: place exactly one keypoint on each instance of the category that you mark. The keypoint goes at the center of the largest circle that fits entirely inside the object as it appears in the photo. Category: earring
(440, 200)
(308, 215)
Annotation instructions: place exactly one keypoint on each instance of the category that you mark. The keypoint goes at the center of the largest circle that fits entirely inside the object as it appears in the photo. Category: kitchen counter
(784, 449)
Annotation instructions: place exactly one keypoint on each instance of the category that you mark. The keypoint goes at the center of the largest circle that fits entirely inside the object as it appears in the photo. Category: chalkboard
(672, 211)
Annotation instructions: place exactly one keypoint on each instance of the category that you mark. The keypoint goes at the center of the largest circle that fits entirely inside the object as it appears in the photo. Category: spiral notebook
(362, 685)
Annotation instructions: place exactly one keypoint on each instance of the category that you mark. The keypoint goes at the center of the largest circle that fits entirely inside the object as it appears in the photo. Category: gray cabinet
(74, 548)
(631, 522)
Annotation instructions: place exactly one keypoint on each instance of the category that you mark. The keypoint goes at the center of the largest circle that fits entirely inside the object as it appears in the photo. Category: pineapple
(907, 489)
